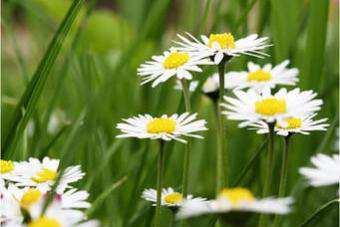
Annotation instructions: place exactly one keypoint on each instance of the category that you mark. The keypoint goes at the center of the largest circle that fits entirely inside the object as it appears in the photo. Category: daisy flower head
(258, 78)
(292, 125)
(211, 86)
(171, 63)
(42, 174)
(326, 170)
(235, 200)
(251, 106)
(170, 198)
(223, 46)
(8, 169)
(166, 128)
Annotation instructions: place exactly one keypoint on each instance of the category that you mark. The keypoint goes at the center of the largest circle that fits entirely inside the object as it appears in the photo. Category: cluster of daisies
(255, 102)
(25, 189)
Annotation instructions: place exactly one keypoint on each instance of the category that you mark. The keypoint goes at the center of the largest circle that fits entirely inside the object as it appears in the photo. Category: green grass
(56, 60)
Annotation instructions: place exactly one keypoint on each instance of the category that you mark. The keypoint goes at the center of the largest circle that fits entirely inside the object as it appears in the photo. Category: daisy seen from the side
(258, 77)
(172, 63)
(167, 128)
(223, 46)
(169, 197)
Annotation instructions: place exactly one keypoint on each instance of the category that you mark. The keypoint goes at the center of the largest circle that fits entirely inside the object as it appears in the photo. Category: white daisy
(42, 175)
(9, 169)
(164, 127)
(238, 200)
(10, 214)
(192, 86)
(171, 63)
(251, 106)
(291, 125)
(170, 197)
(258, 77)
(325, 172)
(217, 46)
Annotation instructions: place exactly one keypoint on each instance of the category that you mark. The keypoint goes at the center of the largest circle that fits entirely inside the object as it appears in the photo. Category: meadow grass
(78, 59)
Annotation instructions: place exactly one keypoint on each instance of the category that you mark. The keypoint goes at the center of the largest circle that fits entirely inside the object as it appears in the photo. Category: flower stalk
(186, 161)
(269, 170)
(283, 177)
(160, 168)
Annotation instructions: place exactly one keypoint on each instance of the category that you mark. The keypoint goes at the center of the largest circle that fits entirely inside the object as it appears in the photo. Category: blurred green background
(93, 84)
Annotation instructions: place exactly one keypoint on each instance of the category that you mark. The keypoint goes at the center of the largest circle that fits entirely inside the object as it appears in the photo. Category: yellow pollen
(292, 123)
(173, 198)
(6, 166)
(161, 125)
(30, 197)
(237, 195)
(175, 59)
(44, 175)
(225, 40)
(44, 222)
(259, 76)
(270, 106)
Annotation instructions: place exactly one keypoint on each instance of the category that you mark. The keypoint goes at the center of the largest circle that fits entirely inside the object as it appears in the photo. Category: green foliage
(90, 75)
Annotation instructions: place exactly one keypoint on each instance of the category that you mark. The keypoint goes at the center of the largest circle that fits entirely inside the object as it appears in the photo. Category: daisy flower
(238, 200)
(164, 127)
(217, 46)
(251, 106)
(8, 169)
(170, 198)
(171, 63)
(42, 175)
(325, 172)
(192, 85)
(258, 77)
(291, 125)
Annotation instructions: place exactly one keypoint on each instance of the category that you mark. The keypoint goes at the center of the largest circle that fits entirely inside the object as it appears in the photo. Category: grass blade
(34, 89)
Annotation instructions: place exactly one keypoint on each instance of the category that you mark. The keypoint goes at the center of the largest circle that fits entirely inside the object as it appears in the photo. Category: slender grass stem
(283, 177)
(186, 161)
(322, 209)
(160, 171)
(221, 174)
(269, 171)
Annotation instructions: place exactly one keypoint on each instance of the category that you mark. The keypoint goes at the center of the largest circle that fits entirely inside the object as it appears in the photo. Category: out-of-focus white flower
(238, 200)
(192, 86)
(325, 172)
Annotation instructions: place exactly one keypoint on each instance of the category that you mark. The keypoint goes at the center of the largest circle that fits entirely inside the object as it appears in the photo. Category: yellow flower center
(237, 195)
(6, 166)
(225, 40)
(270, 106)
(175, 59)
(44, 175)
(30, 197)
(259, 76)
(161, 125)
(44, 222)
(173, 198)
(292, 123)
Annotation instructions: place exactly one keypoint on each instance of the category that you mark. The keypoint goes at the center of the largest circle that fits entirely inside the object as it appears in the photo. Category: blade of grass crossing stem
(65, 158)
(35, 87)
(252, 160)
(319, 213)
(100, 199)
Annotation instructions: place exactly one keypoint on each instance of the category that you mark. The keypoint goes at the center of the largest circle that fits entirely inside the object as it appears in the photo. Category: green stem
(283, 177)
(319, 212)
(159, 182)
(221, 156)
(269, 171)
(186, 161)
